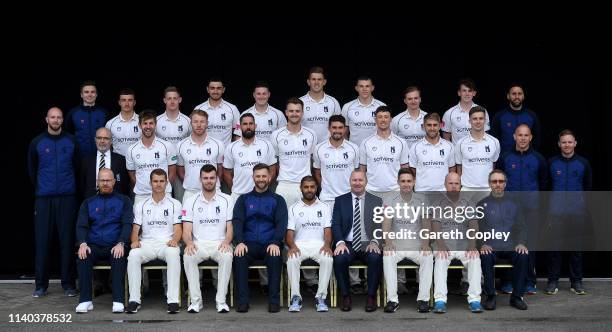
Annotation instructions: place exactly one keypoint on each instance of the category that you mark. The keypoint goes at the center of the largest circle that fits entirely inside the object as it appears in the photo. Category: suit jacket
(87, 175)
(342, 217)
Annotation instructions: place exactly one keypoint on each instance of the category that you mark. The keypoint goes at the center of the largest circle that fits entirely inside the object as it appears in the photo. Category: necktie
(102, 162)
(356, 225)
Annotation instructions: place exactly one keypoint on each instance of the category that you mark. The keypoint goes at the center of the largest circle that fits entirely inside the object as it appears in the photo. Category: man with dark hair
(260, 224)
(318, 106)
(359, 113)
(455, 122)
(409, 124)
(124, 126)
(223, 116)
(85, 119)
(267, 118)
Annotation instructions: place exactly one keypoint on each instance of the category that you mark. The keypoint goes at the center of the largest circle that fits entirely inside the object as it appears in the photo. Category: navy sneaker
(40, 292)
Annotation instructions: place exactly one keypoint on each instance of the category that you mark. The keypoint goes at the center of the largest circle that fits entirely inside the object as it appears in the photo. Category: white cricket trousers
(310, 249)
(425, 263)
(441, 271)
(290, 192)
(208, 250)
(148, 251)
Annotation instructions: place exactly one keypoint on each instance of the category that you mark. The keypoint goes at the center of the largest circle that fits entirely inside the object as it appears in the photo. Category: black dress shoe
(242, 307)
(518, 303)
(371, 304)
(273, 307)
(346, 303)
(490, 303)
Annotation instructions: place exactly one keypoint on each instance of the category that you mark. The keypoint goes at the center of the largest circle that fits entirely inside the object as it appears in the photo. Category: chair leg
(231, 287)
(281, 288)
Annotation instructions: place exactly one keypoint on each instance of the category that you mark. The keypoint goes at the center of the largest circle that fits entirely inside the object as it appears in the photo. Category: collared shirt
(336, 165)
(476, 158)
(294, 151)
(317, 114)
(157, 219)
(125, 132)
(241, 158)
(193, 156)
(360, 118)
(383, 158)
(408, 128)
(432, 162)
(364, 235)
(457, 122)
(143, 160)
(175, 130)
(222, 120)
(107, 161)
(267, 122)
(209, 218)
(309, 221)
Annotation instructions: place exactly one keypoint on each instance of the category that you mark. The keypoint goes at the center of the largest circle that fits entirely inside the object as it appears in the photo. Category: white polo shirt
(294, 151)
(360, 119)
(453, 222)
(457, 122)
(173, 131)
(383, 158)
(125, 133)
(193, 156)
(143, 160)
(222, 120)
(241, 158)
(431, 163)
(157, 220)
(408, 128)
(267, 122)
(476, 159)
(209, 218)
(410, 222)
(336, 165)
(309, 221)
(317, 114)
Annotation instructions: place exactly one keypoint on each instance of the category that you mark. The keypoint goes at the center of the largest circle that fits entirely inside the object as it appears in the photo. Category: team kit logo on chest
(222, 116)
(180, 128)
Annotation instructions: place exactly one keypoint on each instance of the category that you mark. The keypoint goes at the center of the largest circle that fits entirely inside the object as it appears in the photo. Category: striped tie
(357, 225)
(102, 162)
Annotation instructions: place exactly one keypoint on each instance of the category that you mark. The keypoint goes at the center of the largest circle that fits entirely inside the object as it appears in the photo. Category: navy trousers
(371, 259)
(274, 265)
(118, 266)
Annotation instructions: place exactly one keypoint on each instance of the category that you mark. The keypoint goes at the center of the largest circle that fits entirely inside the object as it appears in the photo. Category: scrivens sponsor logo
(218, 127)
(333, 167)
(148, 166)
(199, 161)
(364, 124)
(413, 137)
(296, 153)
(174, 140)
(157, 223)
(263, 132)
(462, 130)
(317, 119)
(126, 139)
(249, 164)
(208, 221)
(479, 160)
(384, 159)
(311, 224)
(433, 163)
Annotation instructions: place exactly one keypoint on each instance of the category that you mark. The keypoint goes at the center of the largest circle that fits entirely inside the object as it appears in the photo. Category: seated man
(159, 217)
(415, 250)
(503, 214)
(260, 224)
(103, 228)
(354, 238)
(309, 236)
(455, 224)
(207, 232)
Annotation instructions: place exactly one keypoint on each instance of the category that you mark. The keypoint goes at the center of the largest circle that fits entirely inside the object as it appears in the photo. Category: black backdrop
(563, 68)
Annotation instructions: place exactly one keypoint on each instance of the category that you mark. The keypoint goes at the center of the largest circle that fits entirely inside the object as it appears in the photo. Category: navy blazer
(342, 217)
(87, 176)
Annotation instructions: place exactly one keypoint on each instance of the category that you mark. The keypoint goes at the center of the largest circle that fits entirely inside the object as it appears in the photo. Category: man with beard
(508, 119)
(51, 162)
(223, 116)
(318, 106)
(241, 155)
(198, 150)
(260, 224)
(148, 154)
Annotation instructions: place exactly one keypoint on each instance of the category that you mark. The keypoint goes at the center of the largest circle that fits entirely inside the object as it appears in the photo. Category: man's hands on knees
(240, 250)
(191, 249)
(273, 250)
(373, 247)
(84, 250)
(340, 249)
(225, 247)
(117, 251)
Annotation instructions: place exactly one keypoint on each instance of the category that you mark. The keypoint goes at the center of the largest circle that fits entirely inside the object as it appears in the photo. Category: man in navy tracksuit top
(260, 224)
(570, 174)
(506, 120)
(503, 214)
(51, 160)
(85, 119)
(527, 172)
(103, 228)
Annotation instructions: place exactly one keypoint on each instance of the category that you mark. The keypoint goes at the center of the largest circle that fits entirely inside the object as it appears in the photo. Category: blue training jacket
(83, 121)
(51, 162)
(505, 122)
(260, 218)
(503, 214)
(569, 177)
(105, 220)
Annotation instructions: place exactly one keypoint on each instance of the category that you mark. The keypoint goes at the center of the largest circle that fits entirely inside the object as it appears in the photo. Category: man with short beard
(223, 116)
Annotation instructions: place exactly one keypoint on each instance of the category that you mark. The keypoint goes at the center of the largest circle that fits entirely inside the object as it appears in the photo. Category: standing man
(508, 119)
(104, 158)
(359, 113)
(173, 126)
(418, 251)
(148, 154)
(124, 126)
(476, 154)
(195, 151)
(455, 122)
(309, 236)
(260, 224)
(241, 155)
(159, 219)
(526, 171)
(382, 155)
(503, 214)
(570, 173)
(267, 118)
(409, 124)
(353, 232)
(51, 163)
(294, 146)
(85, 119)
(432, 158)
(223, 116)
(103, 229)
(318, 106)
(460, 248)
(208, 233)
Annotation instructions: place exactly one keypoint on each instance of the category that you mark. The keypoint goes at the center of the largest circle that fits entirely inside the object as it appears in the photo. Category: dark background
(563, 66)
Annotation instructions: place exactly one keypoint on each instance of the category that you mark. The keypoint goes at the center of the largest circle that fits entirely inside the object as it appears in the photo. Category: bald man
(51, 160)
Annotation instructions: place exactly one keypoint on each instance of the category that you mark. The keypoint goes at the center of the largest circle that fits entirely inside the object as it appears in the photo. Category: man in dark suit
(353, 231)
(92, 164)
